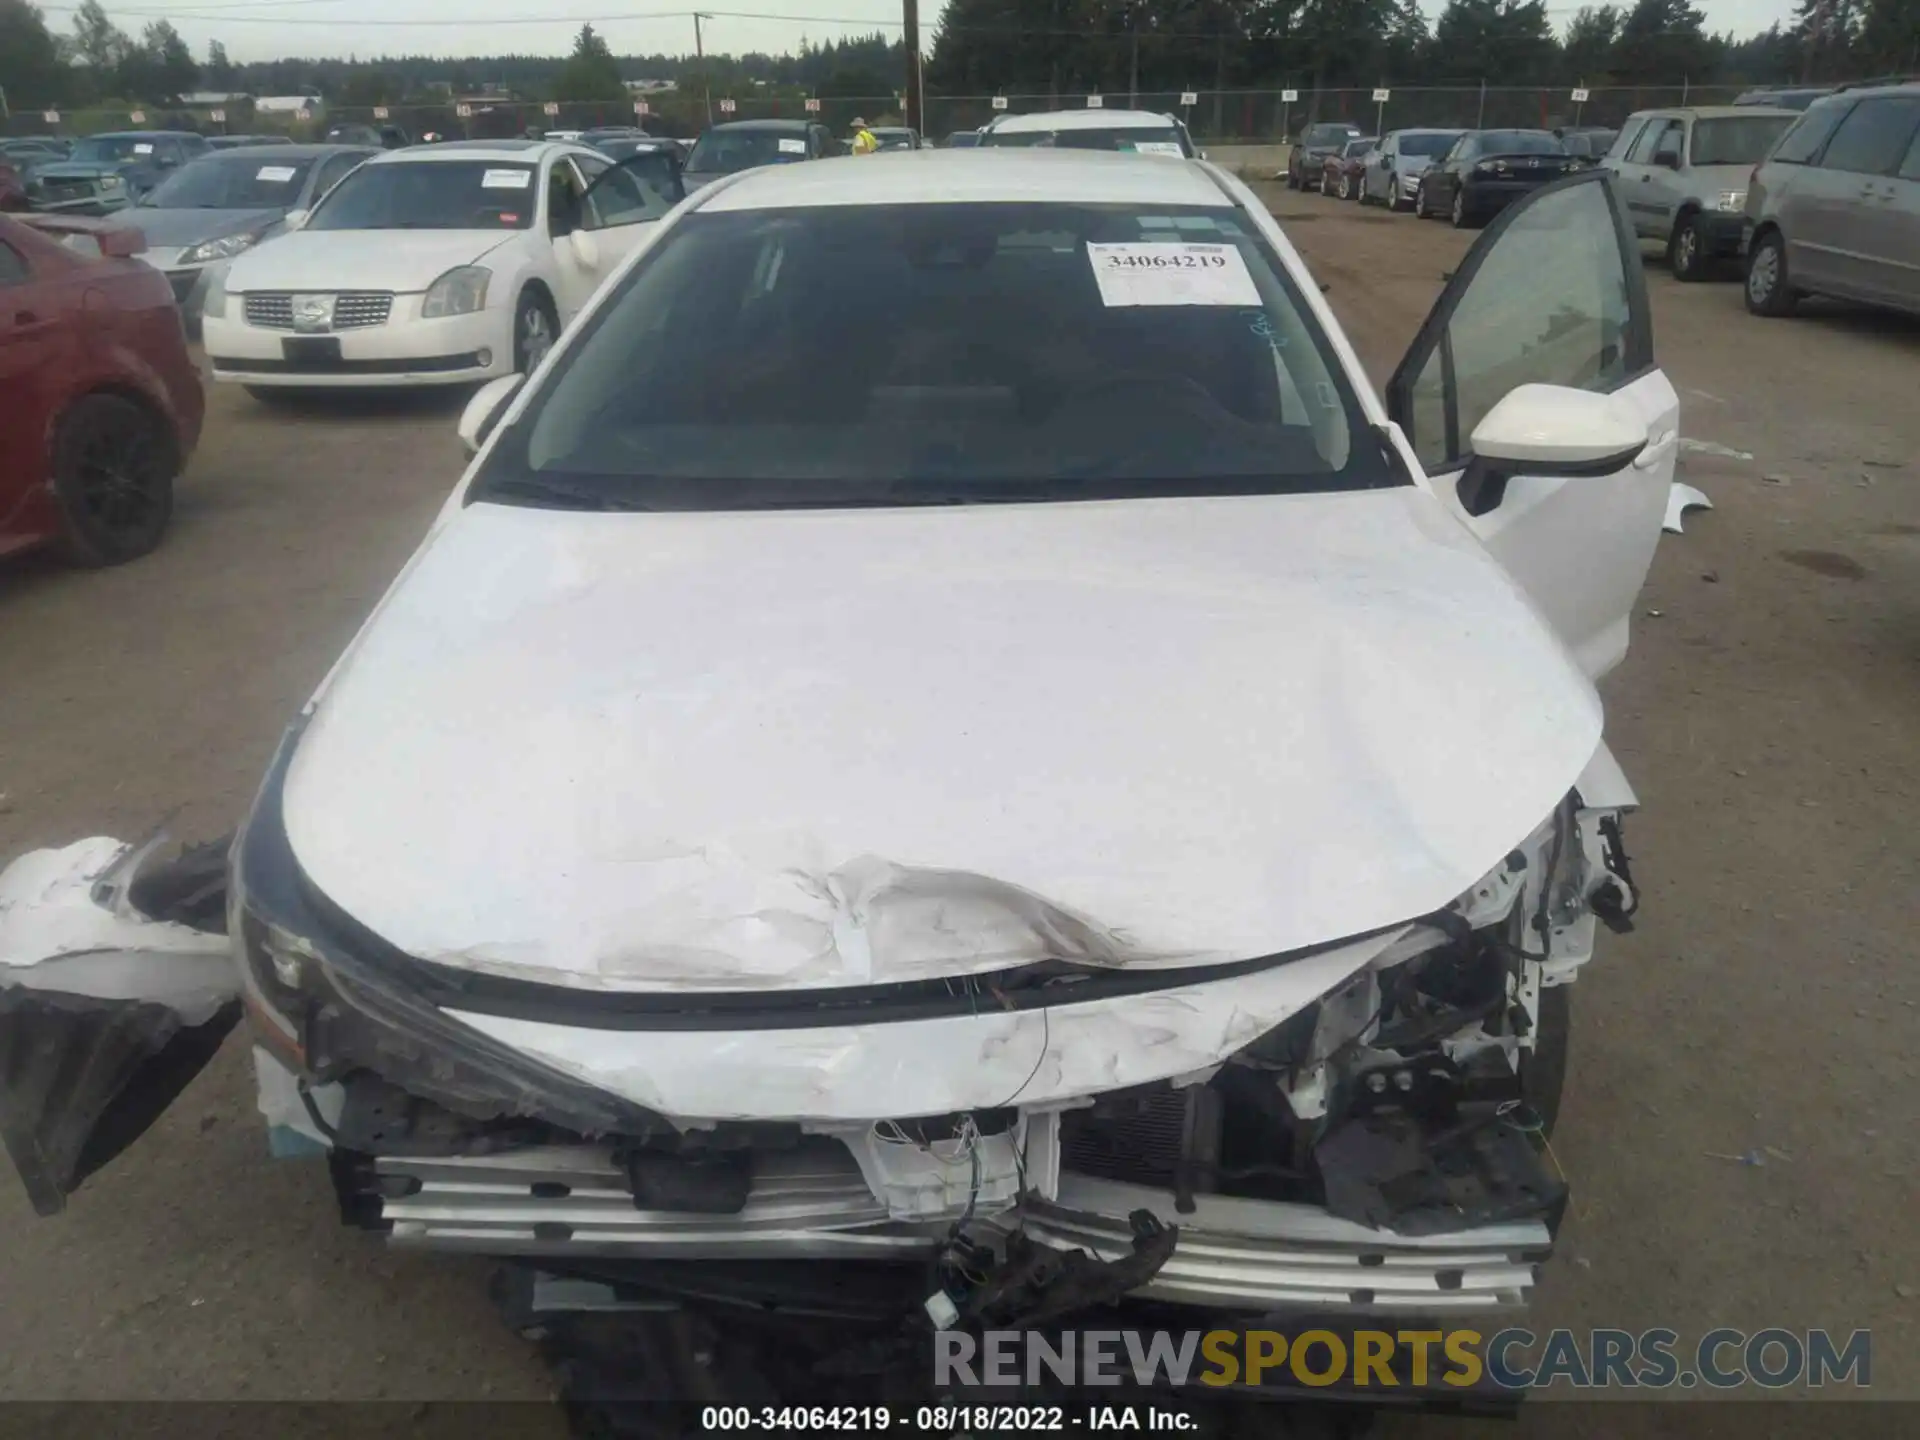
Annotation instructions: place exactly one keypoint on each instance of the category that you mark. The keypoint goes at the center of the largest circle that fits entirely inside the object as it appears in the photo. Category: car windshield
(111, 149)
(1428, 145)
(1357, 148)
(1737, 139)
(942, 354)
(723, 152)
(231, 182)
(1520, 142)
(1135, 139)
(892, 137)
(431, 195)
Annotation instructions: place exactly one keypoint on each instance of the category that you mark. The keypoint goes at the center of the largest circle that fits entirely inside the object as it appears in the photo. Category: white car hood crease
(821, 748)
(403, 261)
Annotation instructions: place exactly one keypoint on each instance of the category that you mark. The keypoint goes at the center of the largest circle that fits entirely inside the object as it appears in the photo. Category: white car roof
(505, 152)
(971, 176)
(1082, 120)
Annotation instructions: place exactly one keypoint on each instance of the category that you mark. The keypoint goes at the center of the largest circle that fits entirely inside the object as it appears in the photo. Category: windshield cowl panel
(943, 354)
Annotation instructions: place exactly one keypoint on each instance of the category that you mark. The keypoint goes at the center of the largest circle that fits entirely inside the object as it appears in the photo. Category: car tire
(1394, 203)
(1767, 287)
(1687, 250)
(1346, 186)
(114, 462)
(535, 330)
(1543, 1071)
(1462, 217)
(1293, 180)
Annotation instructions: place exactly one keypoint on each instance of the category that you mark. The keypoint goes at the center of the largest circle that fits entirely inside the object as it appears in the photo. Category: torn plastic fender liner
(105, 1013)
(81, 1078)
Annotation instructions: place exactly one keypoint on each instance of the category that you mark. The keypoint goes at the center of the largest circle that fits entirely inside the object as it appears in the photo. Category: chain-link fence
(1218, 116)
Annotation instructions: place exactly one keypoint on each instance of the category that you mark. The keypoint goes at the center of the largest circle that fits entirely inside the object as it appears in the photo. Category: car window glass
(1667, 147)
(1643, 148)
(1910, 167)
(1874, 137)
(334, 170)
(1735, 140)
(1623, 142)
(563, 198)
(13, 266)
(625, 194)
(1549, 303)
(949, 353)
(1800, 144)
(431, 195)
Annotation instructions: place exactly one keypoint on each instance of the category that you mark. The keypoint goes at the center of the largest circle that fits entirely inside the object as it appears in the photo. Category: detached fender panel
(106, 1013)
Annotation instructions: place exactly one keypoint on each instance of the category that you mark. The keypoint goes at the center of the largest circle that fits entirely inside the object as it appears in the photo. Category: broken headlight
(330, 998)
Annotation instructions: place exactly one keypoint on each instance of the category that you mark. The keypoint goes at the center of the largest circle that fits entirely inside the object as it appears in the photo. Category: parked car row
(1813, 198)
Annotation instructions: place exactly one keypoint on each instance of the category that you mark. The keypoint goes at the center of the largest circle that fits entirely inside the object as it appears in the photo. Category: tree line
(1066, 47)
(1072, 47)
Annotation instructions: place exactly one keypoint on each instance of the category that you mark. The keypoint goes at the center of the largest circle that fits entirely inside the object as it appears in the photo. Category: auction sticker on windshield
(793, 147)
(1162, 274)
(506, 179)
(277, 174)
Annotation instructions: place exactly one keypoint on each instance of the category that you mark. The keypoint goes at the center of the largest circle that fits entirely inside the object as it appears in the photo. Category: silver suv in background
(1835, 209)
(1683, 174)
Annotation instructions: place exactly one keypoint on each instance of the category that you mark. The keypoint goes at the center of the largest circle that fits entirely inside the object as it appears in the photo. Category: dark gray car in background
(1307, 160)
(214, 208)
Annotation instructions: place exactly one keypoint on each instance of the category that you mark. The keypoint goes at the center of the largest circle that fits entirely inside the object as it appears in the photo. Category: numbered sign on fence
(813, 106)
(1579, 97)
(219, 117)
(380, 112)
(1380, 97)
(138, 117)
(463, 111)
(999, 102)
(1287, 97)
(727, 107)
(1096, 102)
(1188, 97)
(552, 107)
(52, 117)
(303, 114)
(640, 107)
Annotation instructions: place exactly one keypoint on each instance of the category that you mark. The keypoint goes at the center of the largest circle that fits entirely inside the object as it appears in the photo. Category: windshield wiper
(551, 494)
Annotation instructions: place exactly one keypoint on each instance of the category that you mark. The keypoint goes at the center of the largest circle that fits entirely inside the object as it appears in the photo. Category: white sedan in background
(433, 267)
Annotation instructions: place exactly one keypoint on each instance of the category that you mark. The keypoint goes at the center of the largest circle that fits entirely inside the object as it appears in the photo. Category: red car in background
(1346, 166)
(100, 404)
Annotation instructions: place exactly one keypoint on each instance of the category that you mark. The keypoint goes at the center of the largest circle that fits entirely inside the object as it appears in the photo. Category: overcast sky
(266, 29)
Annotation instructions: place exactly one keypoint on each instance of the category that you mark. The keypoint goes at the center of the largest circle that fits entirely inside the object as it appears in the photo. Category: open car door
(107, 1012)
(1551, 294)
(622, 203)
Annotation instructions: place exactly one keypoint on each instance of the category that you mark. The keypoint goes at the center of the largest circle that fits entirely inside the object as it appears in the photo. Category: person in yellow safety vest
(863, 141)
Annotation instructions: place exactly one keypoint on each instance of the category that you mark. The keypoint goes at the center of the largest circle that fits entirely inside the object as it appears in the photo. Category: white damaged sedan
(947, 738)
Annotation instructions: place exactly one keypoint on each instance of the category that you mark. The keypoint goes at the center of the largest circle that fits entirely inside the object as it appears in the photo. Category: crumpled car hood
(824, 748)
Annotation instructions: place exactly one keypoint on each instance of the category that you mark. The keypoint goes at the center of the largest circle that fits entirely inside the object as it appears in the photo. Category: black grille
(1135, 1139)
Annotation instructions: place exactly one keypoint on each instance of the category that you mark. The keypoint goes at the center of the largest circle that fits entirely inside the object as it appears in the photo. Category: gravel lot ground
(1769, 715)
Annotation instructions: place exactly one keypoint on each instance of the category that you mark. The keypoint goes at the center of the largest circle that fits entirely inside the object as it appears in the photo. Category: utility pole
(700, 54)
(1133, 59)
(910, 18)
(1219, 76)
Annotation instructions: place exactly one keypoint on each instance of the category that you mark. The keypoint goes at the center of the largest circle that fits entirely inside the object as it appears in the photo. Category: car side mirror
(484, 410)
(294, 219)
(1550, 430)
(585, 248)
(1386, 162)
(1667, 158)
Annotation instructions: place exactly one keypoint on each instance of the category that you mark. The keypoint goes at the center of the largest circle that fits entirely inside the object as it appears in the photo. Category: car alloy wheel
(1768, 291)
(113, 466)
(533, 333)
(1346, 186)
(1683, 252)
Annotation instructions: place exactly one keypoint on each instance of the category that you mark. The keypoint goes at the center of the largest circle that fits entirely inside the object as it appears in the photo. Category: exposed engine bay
(1379, 1151)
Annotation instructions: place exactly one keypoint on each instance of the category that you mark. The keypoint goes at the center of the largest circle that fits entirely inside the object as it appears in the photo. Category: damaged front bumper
(1353, 1130)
